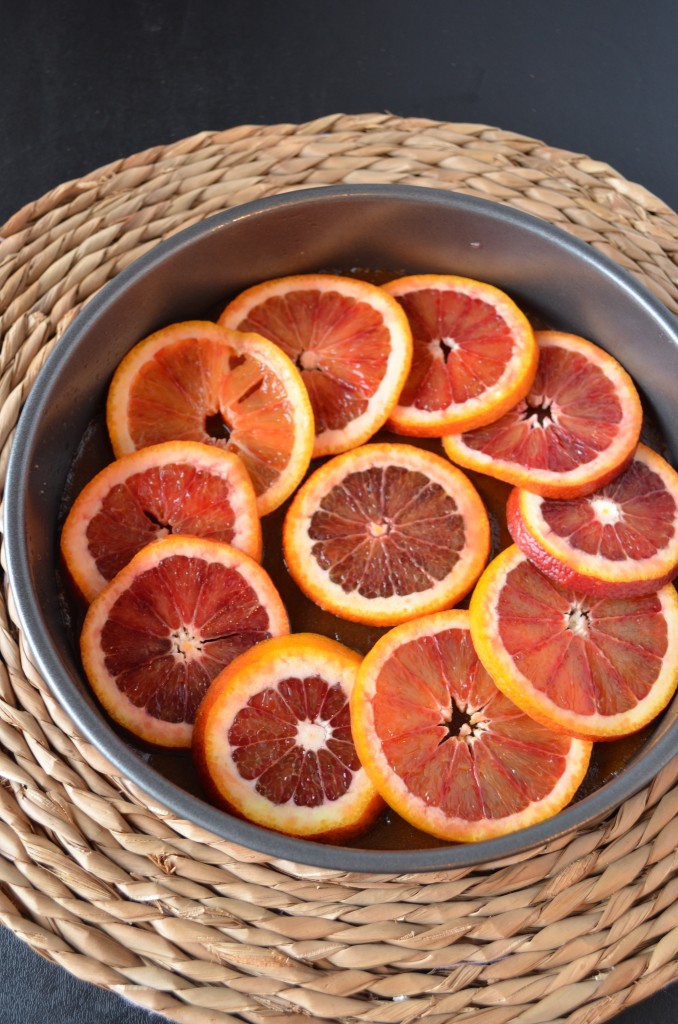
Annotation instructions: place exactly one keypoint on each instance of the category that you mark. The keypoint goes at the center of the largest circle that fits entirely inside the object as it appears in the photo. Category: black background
(83, 84)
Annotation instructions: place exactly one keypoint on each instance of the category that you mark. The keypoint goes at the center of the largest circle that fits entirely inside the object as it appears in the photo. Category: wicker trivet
(124, 895)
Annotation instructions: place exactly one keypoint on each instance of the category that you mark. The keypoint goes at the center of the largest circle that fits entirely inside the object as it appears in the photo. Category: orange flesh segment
(171, 632)
(496, 765)
(340, 346)
(387, 530)
(460, 348)
(264, 737)
(586, 655)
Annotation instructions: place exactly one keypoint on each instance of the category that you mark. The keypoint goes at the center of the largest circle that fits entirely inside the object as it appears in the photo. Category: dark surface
(80, 89)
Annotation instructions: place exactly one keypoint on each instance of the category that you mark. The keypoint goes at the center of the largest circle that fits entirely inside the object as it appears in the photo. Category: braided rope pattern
(125, 895)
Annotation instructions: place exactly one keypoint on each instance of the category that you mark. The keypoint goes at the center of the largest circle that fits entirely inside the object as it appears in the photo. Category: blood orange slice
(574, 432)
(174, 487)
(350, 340)
(158, 633)
(386, 532)
(619, 541)
(474, 354)
(273, 740)
(196, 381)
(446, 749)
(589, 666)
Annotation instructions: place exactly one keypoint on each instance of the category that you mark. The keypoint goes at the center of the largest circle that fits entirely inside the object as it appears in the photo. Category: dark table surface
(84, 84)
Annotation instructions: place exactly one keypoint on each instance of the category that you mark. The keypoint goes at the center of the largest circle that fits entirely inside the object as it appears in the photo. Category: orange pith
(592, 667)
(621, 540)
(474, 354)
(446, 749)
(166, 624)
(198, 381)
(174, 487)
(574, 432)
(350, 340)
(273, 740)
(384, 532)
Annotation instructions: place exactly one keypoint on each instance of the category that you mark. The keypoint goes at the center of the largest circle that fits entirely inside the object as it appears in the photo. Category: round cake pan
(390, 230)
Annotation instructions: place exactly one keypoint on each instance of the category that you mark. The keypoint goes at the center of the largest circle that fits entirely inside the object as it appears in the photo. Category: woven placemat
(123, 894)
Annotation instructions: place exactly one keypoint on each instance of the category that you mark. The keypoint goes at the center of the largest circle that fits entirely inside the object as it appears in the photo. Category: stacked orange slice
(474, 354)
(197, 381)
(175, 487)
(273, 740)
(350, 341)
(621, 540)
(575, 430)
(166, 624)
(592, 667)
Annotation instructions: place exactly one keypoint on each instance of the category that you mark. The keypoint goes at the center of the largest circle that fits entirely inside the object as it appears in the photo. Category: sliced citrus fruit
(166, 624)
(474, 354)
(173, 487)
(621, 540)
(195, 381)
(574, 432)
(386, 532)
(273, 740)
(594, 667)
(445, 748)
(350, 340)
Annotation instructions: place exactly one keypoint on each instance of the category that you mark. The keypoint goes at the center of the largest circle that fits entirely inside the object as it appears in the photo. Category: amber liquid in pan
(390, 832)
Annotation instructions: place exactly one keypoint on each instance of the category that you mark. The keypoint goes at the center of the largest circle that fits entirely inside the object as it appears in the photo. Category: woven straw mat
(124, 895)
